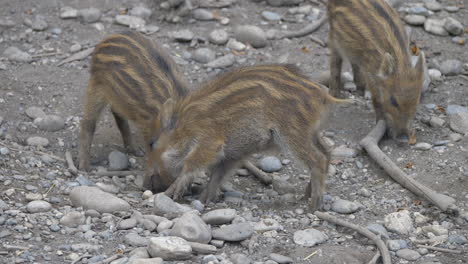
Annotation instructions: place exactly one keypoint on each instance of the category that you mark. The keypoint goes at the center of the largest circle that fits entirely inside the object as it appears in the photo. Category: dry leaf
(216, 15)
(461, 41)
(336, 162)
(305, 49)
(441, 109)
(123, 11)
(237, 53)
(409, 165)
(29, 12)
(417, 202)
(120, 251)
(412, 139)
(415, 50)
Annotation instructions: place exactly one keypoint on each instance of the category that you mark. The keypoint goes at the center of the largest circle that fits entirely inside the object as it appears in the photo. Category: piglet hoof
(135, 151)
(179, 187)
(84, 166)
(207, 197)
(316, 202)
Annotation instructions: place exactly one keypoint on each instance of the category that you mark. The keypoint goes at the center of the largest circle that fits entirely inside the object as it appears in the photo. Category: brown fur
(135, 77)
(371, 36)
(239, 113)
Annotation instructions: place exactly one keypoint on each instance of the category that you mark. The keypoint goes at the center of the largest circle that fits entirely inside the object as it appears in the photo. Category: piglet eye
(152, 143)
(393, 101)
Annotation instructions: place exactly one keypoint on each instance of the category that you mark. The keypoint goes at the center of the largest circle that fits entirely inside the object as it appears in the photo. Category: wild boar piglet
(241, 112)
(370, 35)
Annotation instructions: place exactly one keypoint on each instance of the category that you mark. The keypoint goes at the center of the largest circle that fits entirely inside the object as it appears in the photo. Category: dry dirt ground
(59, 90)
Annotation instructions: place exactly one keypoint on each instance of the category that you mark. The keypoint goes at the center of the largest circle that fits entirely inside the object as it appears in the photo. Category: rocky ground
(49, 215)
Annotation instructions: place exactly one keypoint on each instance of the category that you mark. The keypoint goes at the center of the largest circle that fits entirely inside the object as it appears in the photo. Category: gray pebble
(399, 222)
(435, 26)
(191, 228)
(395, 245)
(203, 55)
(408, 254)
(218, 36)
(169, 248)
(75, 48)
(234, 232)
(235, 45)
(415, 20)
(422, 146)
(252, 35)
(127, 224)
(239, 258)
(141, 11)
(4, 151)
(89, 15)
(94, 198)
(118, 161)
(202, 14)
(219, 216)
(68, 12)
(343, 152)
(453, 109)
(271, 16)
(282, 187)
(452, 9)
(270, 164)
(34, 112)
(459, 122)
(222, 62)
(457, 239)
(37, 141)
(418, 10)
(453, 26)
(135, 240)
(50, 123)
(165, 206)
(184, 35)
(451, 67)
(82, 180)
(6, 23)
(435, 74)
(378, 229)
(38, 206)
(130, 21)
(73, 219)
(280, 258)
(54, 228)
(15, 54)
(197, 205)
(309, 237)
(37, 23)
(345, 207)
(149, 225)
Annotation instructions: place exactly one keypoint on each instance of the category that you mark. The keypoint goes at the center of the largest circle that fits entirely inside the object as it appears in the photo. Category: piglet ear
(167, 113)
(387, 66)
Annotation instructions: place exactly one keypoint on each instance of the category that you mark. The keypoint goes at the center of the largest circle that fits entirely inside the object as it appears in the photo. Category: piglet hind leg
(220, 173)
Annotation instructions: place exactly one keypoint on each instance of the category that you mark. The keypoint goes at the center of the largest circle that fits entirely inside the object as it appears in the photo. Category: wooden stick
(262, 176)
(71, 166)
(109, 259)
(77, 56)
(117, 173)
(46, 54)
(13, 247)
(375, 258)
(378, 242)
(446, 250)
(318, 41)
(306, 30)
(370, 144)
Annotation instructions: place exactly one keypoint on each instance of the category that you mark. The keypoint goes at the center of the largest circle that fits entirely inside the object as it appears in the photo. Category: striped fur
(135, 77)
(239, 113)
(371, 36)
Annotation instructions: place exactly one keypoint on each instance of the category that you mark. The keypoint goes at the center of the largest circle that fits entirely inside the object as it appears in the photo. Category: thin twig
(306, 30)
(71, 166)
(80, 258)
(446, 250)
(310, 255)
(370, 144)
(117, 173)
(50, 189)
(378, 242)
(46, 54)
(262, 176)
(375, 258)
(318, 41)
